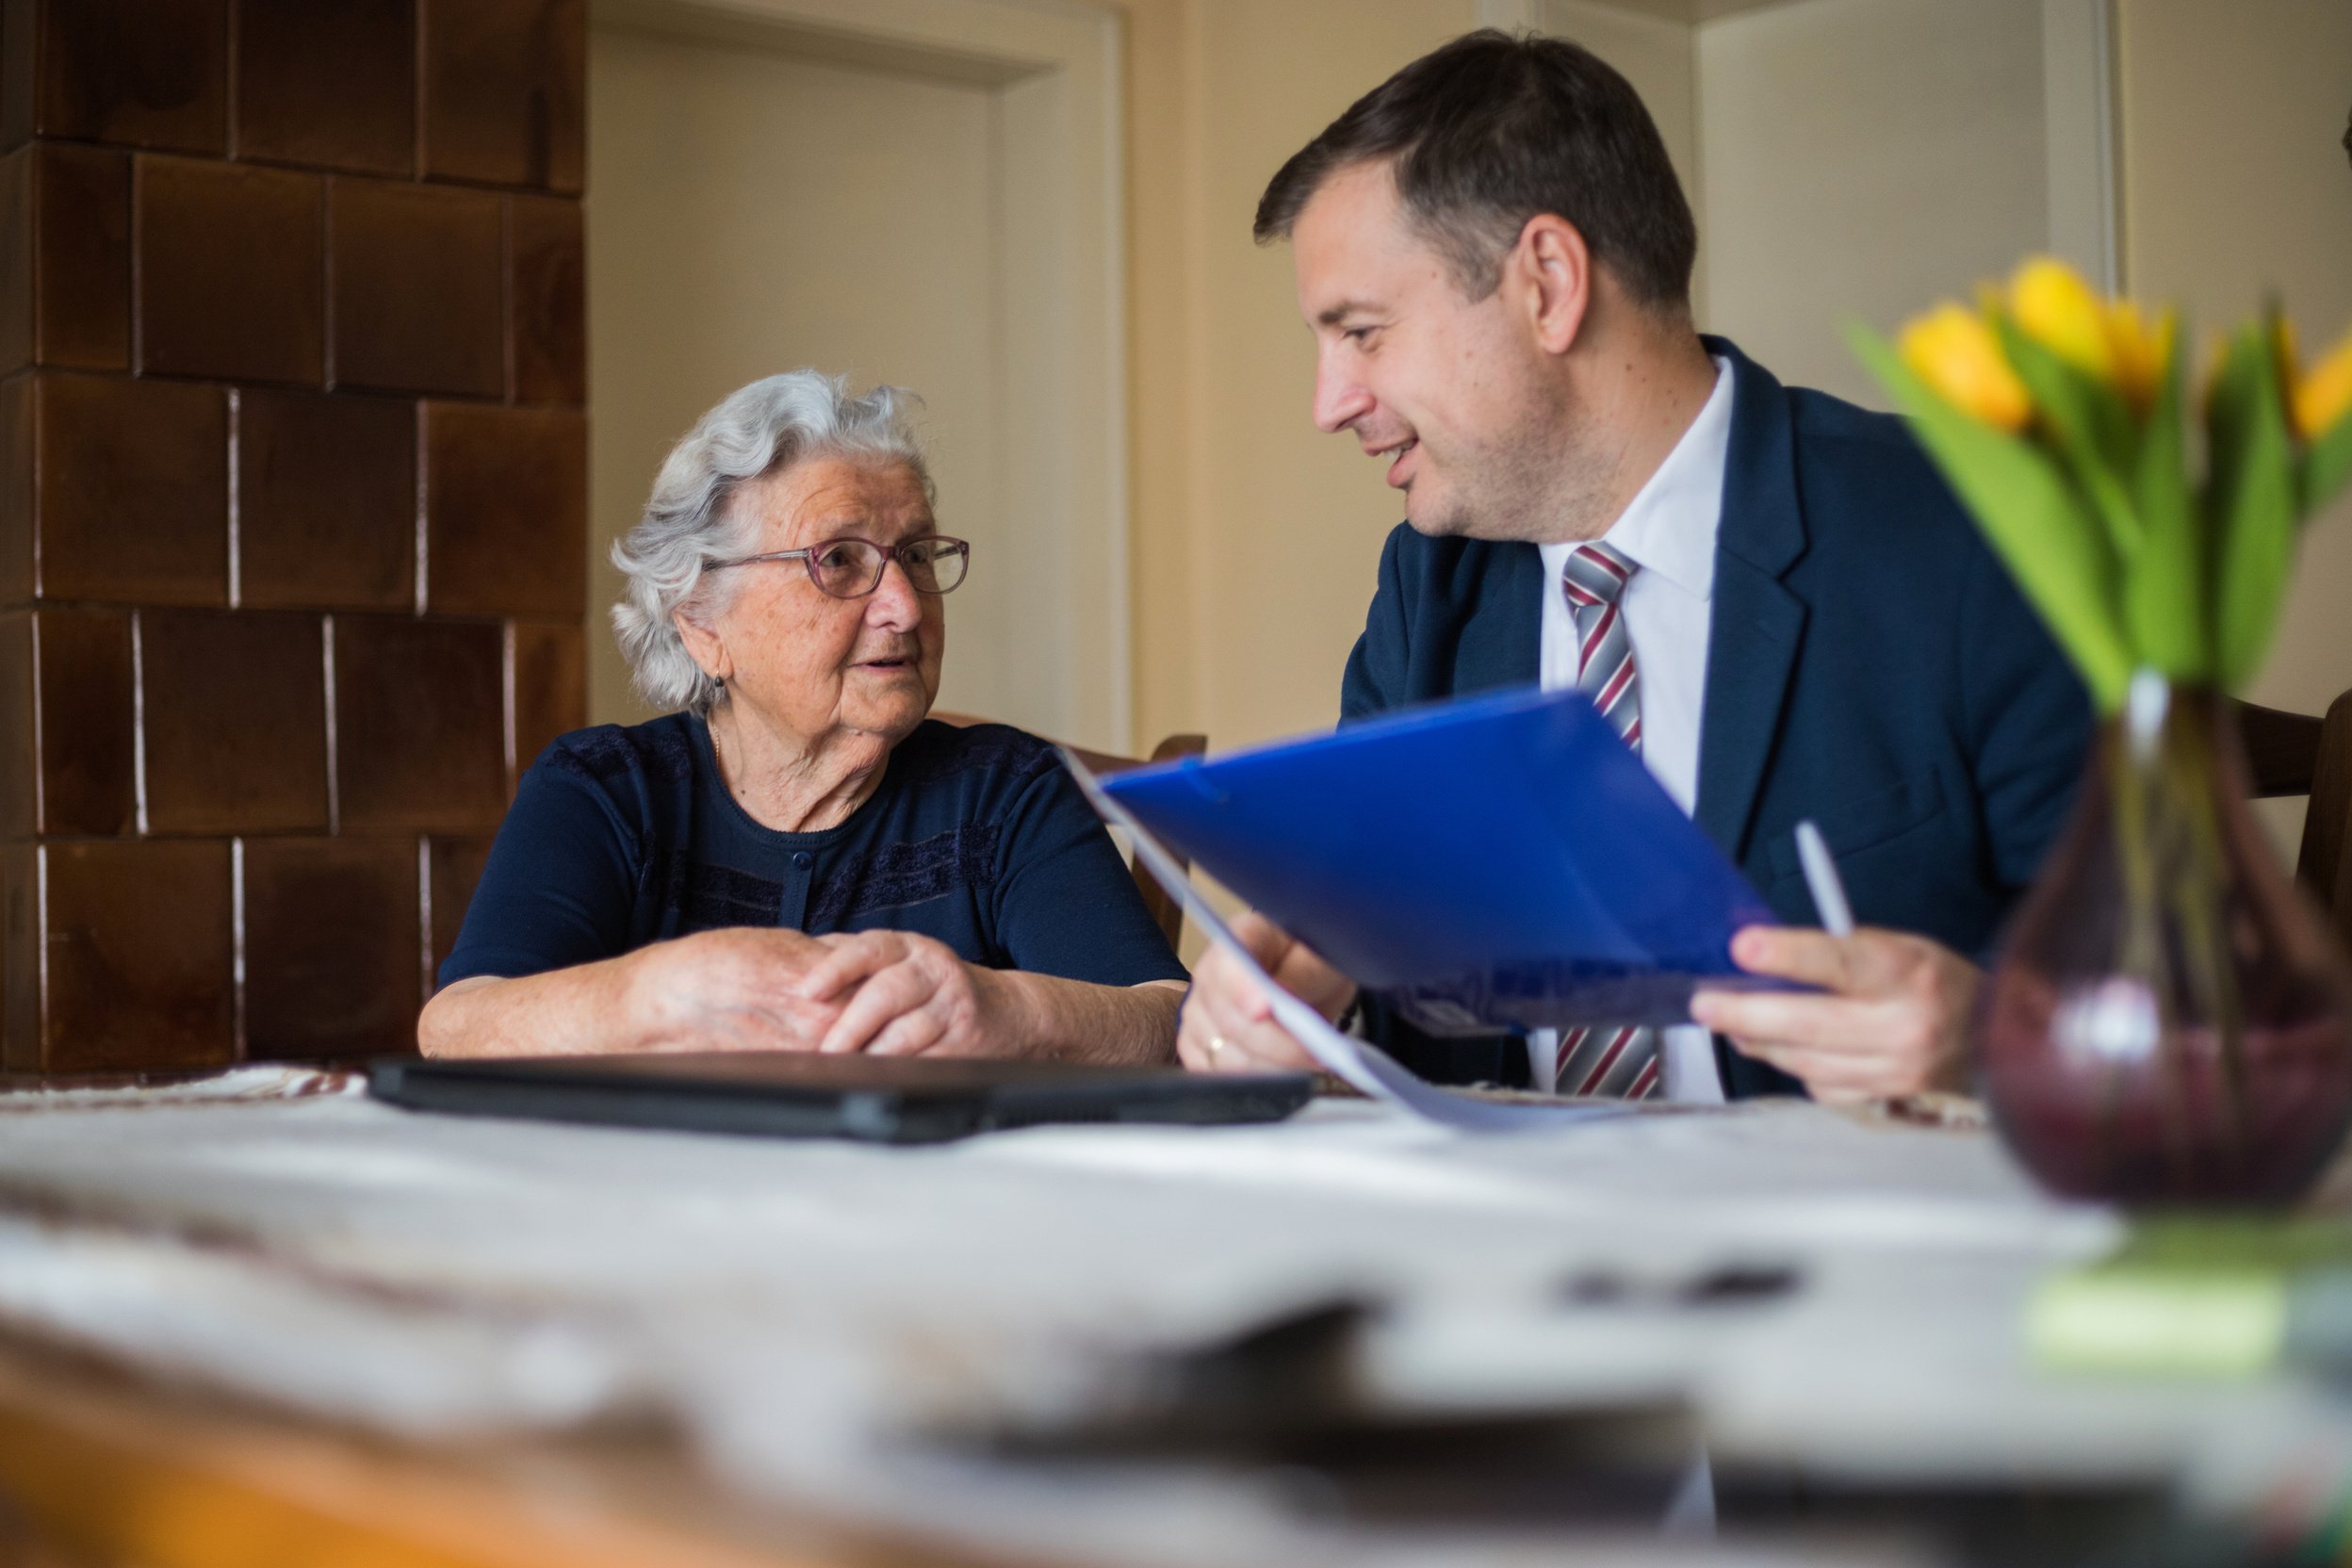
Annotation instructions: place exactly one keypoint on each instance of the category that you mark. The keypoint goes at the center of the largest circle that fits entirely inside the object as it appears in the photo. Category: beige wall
(722, 248)
(1256, 538)
(2235, 183)
(1862, 158)
(1660, 57)
(899, 190)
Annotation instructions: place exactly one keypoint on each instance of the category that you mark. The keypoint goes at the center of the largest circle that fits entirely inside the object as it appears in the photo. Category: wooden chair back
(2295, 754)
(1164, 908)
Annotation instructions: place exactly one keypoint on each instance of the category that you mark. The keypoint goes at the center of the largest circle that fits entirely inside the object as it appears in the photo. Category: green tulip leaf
(2251, 501)
(2060, 555)
(2328, 465)
(2164, 588)
(2092, 427)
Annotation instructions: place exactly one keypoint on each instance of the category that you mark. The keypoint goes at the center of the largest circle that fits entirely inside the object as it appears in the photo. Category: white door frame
(1057, 68)
(2079, 114)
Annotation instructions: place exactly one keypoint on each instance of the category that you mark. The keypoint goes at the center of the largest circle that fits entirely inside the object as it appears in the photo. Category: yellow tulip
(1953, 351)
(2142, 354)
(2052, 305)
(2324, 396)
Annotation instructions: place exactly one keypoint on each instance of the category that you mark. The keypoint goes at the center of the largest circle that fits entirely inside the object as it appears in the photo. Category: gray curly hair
(688, 523)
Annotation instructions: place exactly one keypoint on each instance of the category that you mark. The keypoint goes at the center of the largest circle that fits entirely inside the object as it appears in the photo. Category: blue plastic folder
(1500, 861)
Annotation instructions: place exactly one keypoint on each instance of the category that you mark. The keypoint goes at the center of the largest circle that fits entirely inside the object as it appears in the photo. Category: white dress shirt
(1668, 532)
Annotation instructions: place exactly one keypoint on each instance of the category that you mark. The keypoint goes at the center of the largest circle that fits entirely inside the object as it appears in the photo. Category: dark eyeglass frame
(808, 555)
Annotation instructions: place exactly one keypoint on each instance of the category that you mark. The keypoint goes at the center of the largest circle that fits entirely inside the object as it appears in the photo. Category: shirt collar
(1671, 524)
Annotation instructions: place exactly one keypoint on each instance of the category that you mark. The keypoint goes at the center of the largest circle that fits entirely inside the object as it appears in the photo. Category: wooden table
(99, 1468)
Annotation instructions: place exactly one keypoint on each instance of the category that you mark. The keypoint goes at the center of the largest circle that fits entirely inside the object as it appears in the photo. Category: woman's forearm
(733, 989)
(565, 1012)
(738, 989)
(1073, 1020)
(605, 1006)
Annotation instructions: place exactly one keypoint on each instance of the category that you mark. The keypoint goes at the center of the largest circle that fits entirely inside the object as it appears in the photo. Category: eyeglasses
(852, 568)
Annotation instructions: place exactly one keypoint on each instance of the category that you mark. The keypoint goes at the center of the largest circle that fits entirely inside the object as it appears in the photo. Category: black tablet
(793, 1094)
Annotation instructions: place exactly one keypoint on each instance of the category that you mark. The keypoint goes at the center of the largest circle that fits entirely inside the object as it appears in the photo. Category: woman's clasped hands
(890, 994)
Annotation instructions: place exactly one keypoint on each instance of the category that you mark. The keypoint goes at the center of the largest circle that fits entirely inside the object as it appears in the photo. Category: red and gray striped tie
(1601, 1060)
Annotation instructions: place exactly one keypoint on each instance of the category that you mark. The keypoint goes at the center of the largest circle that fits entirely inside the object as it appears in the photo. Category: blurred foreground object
(2226, 1297)
(1338, 1339)
(2170, 1020)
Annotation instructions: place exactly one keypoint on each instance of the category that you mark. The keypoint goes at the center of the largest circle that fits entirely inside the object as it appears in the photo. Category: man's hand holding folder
(1567, 891)
(1229, 1024)
(1889, 1018)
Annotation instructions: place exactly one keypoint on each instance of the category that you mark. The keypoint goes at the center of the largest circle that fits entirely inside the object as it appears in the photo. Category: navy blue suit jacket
(1870, 665)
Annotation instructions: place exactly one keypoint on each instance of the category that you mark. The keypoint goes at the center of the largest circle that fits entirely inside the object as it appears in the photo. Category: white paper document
(1357, 1063)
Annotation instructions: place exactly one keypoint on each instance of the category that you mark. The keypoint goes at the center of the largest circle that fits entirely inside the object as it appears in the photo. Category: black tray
(793, 1094)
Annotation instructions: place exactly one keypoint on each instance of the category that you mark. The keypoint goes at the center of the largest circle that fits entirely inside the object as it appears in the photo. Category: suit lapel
(1757, 624)
(1502, 641)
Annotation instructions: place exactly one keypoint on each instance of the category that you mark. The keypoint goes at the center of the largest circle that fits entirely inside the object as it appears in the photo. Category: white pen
(1821, 879)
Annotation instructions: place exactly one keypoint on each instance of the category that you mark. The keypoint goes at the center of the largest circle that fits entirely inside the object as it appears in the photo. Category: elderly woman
(799, 859)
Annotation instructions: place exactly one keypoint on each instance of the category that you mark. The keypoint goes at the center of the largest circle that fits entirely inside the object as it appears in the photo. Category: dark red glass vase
(2168, 1021)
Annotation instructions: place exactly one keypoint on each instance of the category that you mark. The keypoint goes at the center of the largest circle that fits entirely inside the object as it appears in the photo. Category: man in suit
(1768, 591)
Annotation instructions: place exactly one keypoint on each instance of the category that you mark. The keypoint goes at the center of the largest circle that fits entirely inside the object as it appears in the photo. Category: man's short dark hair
(1492, 129)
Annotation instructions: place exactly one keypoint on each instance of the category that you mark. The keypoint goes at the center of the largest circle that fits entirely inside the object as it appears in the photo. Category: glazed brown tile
(132, 504)
(65, 257)
(16, 260)
(418, 288)
(454, 869)
(72, 771)
(19, 959)
(16, 73)
(332, 947)
(420, 742)
(505, 82)
(84, 751)
(139, 955)
(81, 213)
(550, 686)
(82, 305)
(18, 755)
(16, 489)
(506, 510)
(328, 85)
(231, 271)
(326, 500)
(549, 294)
(236, 711)
(137, 73)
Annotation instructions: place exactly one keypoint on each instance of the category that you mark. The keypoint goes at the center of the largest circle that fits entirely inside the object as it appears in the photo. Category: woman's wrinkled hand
(733, 989)
(1228, 1023)
(900, 994)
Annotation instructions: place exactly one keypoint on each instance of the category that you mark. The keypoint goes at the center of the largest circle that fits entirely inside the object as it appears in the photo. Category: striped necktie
(1601, 1060)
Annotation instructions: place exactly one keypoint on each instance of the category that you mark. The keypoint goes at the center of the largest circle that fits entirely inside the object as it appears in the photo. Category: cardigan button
(804, 859)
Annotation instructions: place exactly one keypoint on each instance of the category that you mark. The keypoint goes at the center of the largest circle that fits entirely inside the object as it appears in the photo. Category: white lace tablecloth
(803, 1309)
